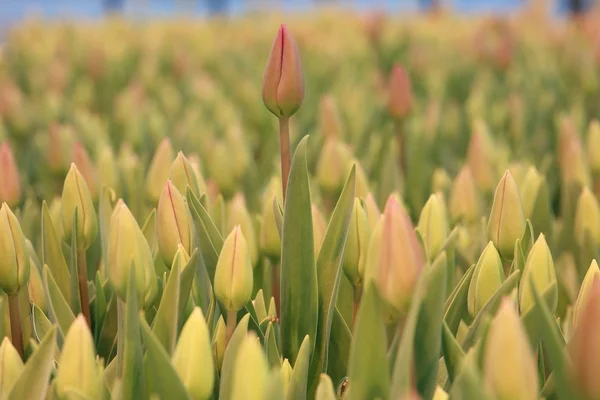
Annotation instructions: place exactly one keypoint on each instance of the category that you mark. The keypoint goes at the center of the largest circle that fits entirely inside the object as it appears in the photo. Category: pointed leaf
(75, 302)
(58, 308)
(340, 342)
(298, 385)
(271, 349)
(278, 212)
(209, 238)
(100, 307)
(165, 323)
(186, 280)
(453, 353)
(227, 369)
(52, 254)
(456, 305)
(40, 323)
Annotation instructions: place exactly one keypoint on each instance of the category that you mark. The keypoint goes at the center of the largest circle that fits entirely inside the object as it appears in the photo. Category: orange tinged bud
(400, 97)
(10, 186)
(283, 82)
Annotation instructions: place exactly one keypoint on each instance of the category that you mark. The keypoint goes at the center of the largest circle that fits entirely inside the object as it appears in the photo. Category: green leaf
(456, 305)
(149, 231)
(271, 349)
(298, 385)
(490, 308)
(428, 333)
(228, 366)
(75, 302)
(186, 280)
(340, 341)
(299, 290)
(105, 209)
(165, 323)
(58, 307)
(209, 238)
(469, 384)
(368, 367)
(134, 379)
(254, 323)
(100, 307)
(259, 305)
(329, 270)
(32, 383)
(160, 371)
(4, 328)
(52, 254)
(40, 323)
(528, 238)
(106, 341)
(531, 317)
(453, 353)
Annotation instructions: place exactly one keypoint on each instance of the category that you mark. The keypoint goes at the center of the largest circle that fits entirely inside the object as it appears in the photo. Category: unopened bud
(78, 370)
(372, 210)
(14, 260)
(464, 202)
(487, 278)
(84, 164)
(286, 374)
(183, 175)
(158, 171)
(400, 97)
(220, 342)
(433, 225)
(319, 229)
(76, 196)
(357, 245)
(36, 287)
(510, 369)
(193, 359)
(107, 169)
(283, 81)
(592, 274)
(11, 367)
(480, 156)
(270, 243)
(325, 389)
(174, 224)
(507, 221)
(233, 275)
(440, 181)
(10, 184)
(530, 188)
(587, 217)
(334, 163)
(250, 370)
(238, 215)
(539, 268)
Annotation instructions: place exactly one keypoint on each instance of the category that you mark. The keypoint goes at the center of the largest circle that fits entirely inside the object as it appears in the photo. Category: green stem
(275, 287)
(357, 294)
(16, 330)
(284, 145)
(83, 287)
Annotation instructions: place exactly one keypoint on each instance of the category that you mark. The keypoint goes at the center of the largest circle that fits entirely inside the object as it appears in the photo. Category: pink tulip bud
(283, 82)
(400, 93)
(10, 186)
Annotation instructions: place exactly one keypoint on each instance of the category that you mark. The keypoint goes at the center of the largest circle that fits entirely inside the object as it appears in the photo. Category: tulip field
(323, 206)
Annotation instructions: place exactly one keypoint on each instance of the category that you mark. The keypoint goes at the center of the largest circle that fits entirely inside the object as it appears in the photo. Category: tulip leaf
(259, 305)
(160, 371)
(298, 385)
(528, 238)
(453, 353)
(165, 323)
(110, 374)
(518, 263)
(149, 230)
(299, 291)
(368, 367)
(469, 384)
(209, 237)
(456, 304)
(340, 341)
(105, 209)
(490, 307)
(530, 317)
(186, 280)
(134, 379)
(106, 340)
(554, 343)
(100, 306)
(227, 369)
(278, 212)
(428, 334)
(254, 323)
(40, 323)
(52, 254)
(271, 349)
(32, 383)
(58, 307)
(329, 271)
(75, 302)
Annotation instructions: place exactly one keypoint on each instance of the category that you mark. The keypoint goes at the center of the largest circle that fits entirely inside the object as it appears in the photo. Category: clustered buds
(400, 97)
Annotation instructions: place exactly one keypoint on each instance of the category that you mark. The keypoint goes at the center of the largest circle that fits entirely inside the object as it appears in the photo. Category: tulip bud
(60, 142)
(480, 156)
(529, 189)
(487, 278)
(395, 259)
(507, 221)
(193, 359)
(283, 82)
(440, 394)
(107, 168)
(238, 215)
(233, 276)
(440, 181)
(355, 256)
(319, 229)
(400, 97)
(329, 118)
(76, 196)
(592, 274)
(127, 246)
(220, 342)
(182, 174)
(539, 268)
(372, 210)
(510, 369)
(11, 367)
(270, 243)
(464, 199)
(575, 169)
(78, 371)
(158, 171)
(593, 146)
(587, 217)
(286, 375)
(10, 185)
(174, 224)
(36, 287)
(84, 165)
(334, 163)
(14, 260)
(583, 346)
(194, 161)
(325, 389)
(250, 370)
(433, 225)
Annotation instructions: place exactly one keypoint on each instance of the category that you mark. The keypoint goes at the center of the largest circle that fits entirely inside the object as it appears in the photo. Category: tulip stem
(16, 331)
(231, 322)
(357, 294)
(284, 145)
(83, 287)
(401, 142)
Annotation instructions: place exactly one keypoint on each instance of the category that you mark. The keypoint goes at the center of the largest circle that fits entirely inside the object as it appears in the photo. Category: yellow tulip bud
(464, 202)
(158, 171)
(76, 195)
(183, 175)
(587, 217)
(433, 225)
(14, 260)
(250, 370)
(11, 367)
(592, 274)
(487, 278)
(238, 215)
(539, 268)
(357, 245)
